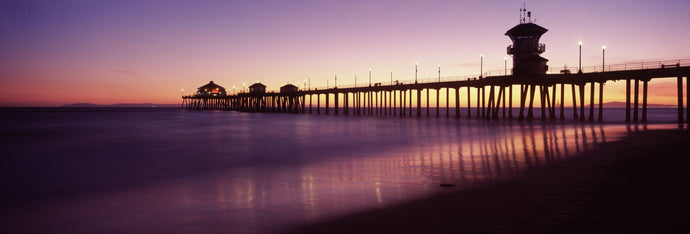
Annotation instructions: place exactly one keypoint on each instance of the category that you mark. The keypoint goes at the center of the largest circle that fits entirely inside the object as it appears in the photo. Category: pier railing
(625, 66)
(551, 70)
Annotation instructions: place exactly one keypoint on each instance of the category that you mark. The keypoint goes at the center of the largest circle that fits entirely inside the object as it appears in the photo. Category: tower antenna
(522, 19)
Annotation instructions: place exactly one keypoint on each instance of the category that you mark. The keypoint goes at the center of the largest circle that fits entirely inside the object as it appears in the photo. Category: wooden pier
(491, 101)
(529, 75)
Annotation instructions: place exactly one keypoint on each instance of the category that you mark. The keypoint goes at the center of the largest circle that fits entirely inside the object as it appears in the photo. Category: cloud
(129, 74)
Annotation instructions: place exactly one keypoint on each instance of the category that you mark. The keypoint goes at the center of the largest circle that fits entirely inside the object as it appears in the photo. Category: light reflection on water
(309, 169)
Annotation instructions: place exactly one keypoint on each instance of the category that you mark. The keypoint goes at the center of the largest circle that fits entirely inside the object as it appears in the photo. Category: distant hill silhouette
(142, 105)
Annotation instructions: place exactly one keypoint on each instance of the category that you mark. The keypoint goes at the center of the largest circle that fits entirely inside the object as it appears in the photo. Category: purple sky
(58, 52)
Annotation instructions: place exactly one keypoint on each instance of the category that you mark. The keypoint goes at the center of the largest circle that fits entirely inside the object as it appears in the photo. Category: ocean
(171, 170)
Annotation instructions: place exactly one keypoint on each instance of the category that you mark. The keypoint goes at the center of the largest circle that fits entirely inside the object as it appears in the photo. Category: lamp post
(603, 54)
(415, 73)
(326, 83)
(309, 83)
(481, 66)
(391, 78)
(505, 66)
(579, 66)
(305, 84)
(439, 73)
(336, 81)
(369, 77)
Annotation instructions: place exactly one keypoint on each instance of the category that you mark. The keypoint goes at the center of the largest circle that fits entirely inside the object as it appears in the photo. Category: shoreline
(632, 185)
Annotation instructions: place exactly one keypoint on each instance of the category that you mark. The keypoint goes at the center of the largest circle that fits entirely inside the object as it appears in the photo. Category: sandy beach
(637, 185)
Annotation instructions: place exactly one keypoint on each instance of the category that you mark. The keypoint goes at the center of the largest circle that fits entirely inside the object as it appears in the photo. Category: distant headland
(140, 105)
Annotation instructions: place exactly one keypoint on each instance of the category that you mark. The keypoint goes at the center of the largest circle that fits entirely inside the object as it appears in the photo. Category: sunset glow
(106, 52)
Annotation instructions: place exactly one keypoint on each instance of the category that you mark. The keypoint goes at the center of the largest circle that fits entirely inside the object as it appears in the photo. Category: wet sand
(637, 185)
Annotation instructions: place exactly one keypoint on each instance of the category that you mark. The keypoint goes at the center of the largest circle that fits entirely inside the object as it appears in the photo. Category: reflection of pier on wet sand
(633, 185)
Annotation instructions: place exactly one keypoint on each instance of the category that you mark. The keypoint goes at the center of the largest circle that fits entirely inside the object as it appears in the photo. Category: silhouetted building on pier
(526, 48)
(211, 90)
(257, 88)
(289, 88)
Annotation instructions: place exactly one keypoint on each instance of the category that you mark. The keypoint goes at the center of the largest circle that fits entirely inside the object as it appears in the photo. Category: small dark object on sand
(448, 185)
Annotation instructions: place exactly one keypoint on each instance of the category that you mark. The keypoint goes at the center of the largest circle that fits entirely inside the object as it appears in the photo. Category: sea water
(172, 170)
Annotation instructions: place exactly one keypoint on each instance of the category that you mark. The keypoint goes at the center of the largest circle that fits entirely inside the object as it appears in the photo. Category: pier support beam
(582, 102)
(627, 100)
(457, 102)
(601, 101)
(447, 102)
(523, 96)
(530, 110)
(438, 103)
(327, 103)
(574, 97)
(644, 101)
(419, 103)
(479, 99)
(490, 105)
(637, 95)
(503, 100)
(427, 102)
(336, 94)
(562, 115)
(551, 101)
(411, 102)
(542, 98)
(469, 104)
(591, 102)
(510, 102)
(680, 99)
(483, 101)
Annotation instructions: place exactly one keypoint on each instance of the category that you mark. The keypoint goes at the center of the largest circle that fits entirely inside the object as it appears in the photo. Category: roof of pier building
(211, 89)
(257, 88)
(525, 30)
(288, 88)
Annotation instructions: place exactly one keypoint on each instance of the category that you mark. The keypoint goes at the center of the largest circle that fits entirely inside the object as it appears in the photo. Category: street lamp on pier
(603, 54)
(415, 73)
(481, 66)
(439, 73)
(579, 66)
(505, 66)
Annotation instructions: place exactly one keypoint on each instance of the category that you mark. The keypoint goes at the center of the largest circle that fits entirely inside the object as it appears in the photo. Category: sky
(55, 52)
